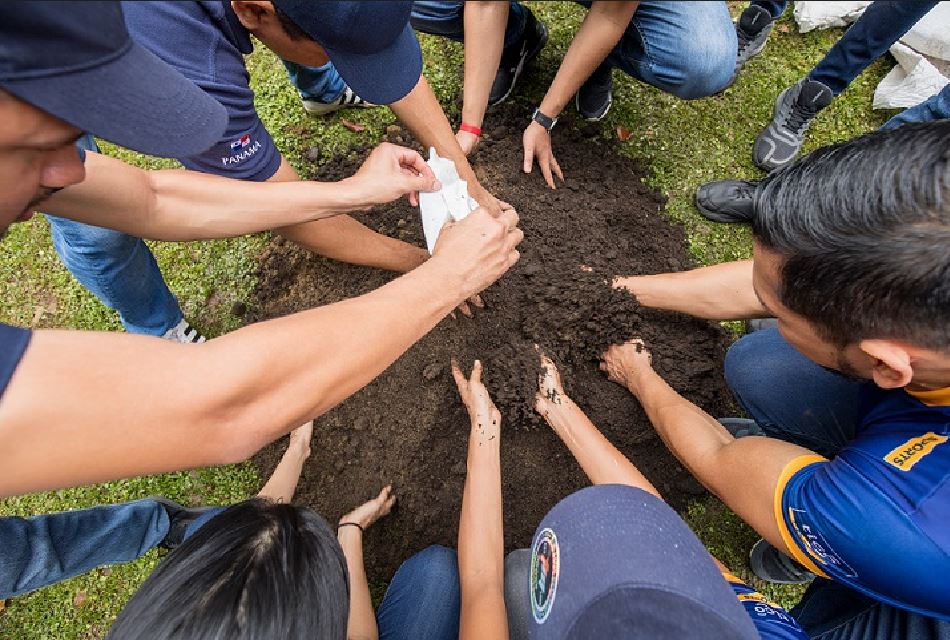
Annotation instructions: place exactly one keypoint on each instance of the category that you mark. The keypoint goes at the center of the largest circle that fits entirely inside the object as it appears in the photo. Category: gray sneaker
(795, 108)
(772, 565)
(752, 30)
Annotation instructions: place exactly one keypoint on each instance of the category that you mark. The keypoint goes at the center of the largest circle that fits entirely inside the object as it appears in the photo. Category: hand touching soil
(484, 415)
(624, 363)
(550, 388)
(371, 511)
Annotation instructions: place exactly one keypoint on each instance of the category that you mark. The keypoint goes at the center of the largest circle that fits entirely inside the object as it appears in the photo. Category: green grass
(683, 143)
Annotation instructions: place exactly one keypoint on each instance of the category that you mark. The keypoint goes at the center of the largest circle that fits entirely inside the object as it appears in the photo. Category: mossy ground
(684, 143)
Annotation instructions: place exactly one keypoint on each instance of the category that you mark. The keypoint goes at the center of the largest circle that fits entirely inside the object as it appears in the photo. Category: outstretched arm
(485, 24)
(718, 292)
(599, 459)
(187, 205)
(282, 484)
(421, 112)
(87, 407)
(743, 472)
(481, 545)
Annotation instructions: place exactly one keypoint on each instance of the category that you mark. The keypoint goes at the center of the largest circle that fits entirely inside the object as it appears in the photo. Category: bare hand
(474, 301)
(537, 144)
(478, 250)
(301, 437)
(550, 387)
(369, 512)
(468, 141)
(623, 363)
(484, 198)
(485, 417)
(391, 172)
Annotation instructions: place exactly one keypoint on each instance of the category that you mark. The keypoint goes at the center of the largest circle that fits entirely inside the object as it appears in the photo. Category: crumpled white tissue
(451, 202)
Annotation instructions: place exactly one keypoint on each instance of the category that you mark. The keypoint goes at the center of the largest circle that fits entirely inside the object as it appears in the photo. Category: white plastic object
(910, 82)
(449, 203)
(821, 15)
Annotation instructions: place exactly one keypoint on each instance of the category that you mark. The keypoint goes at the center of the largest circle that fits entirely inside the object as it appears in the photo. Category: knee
(435, 565)
(749, 362)
(704, 66)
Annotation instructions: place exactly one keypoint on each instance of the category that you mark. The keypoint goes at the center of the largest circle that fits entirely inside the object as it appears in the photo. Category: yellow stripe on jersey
(788, 537)
(933, 398)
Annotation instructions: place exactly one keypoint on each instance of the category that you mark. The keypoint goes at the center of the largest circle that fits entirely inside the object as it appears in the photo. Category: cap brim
(136, 101)
(383, 77)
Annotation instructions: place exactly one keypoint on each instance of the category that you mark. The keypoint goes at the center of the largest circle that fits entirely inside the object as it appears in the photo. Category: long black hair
(256, 571)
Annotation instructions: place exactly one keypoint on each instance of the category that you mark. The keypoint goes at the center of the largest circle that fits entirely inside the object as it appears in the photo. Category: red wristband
(471, 128)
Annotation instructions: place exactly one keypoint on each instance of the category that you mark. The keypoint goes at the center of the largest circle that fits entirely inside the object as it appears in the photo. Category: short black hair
(256, 570)
(863, 230)
(290, 27)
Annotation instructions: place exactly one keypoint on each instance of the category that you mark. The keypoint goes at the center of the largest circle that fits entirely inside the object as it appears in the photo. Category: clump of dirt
(408, 427)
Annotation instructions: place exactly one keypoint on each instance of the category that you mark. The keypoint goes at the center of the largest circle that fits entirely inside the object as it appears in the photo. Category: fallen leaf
(623, 133)
(3, 605)
(784, 28)
(353, 126)
(80, 599)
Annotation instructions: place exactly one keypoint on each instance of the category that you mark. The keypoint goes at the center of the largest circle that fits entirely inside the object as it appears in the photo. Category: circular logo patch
(545, 566)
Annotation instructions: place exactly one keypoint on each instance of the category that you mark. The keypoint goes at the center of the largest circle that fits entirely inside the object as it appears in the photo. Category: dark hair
(289, 26)
(863, 230)
(256, 571)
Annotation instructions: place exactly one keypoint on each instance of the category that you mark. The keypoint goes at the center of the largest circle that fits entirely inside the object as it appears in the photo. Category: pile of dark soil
(408, 427)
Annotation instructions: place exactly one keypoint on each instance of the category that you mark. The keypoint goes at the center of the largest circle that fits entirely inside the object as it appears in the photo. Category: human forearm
(481, 543)
(361, 624)
(186, 205)
(600, 32)
(189, 406)
(718, 292)
(485, 24)
(599, 459)
(348, 240)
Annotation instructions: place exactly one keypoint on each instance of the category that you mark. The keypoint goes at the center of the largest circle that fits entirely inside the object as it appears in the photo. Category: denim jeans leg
(881, 25)
(323, 84)
(118, 269)
(775, 7)
(684, 48)
(936, 107)
(832, 611)
(423, 601)
(791, 397)
(39, 551)
(445, 19)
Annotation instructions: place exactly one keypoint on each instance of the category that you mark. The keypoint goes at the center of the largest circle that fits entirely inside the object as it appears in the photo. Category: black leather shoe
(595, 96)
(515, 58)
(179, 518)
(727, 200)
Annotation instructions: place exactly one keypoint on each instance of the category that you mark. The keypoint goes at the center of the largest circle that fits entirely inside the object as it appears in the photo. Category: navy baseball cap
(76, 61)
(614, 561)
(371, 44)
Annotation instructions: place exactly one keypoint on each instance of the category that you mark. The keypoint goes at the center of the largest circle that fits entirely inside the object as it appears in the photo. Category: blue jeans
(423, 601)
(119, 269)
(42, 550)
(881, 25)
(794, 399)
(936, 107)
(324, 83)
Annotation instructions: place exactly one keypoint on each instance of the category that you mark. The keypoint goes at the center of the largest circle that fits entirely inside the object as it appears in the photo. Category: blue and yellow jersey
(877, 516)
(770, 620)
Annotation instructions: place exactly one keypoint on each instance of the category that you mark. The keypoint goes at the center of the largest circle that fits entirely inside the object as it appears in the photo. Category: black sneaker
(752, 30)
(595, 96)
(727, 200)
(772, 565)
(514, 60)
(179, 518)
(741, 427)
(795, 108)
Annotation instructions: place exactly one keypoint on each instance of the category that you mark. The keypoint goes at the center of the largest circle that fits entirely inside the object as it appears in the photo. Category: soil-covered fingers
(624, 362)
(550, 388)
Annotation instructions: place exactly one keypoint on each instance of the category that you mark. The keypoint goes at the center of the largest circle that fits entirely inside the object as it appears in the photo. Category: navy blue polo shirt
(13, 343)
(206, 42)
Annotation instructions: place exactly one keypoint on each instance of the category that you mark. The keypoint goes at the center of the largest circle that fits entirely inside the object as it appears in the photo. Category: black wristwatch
(543, 120)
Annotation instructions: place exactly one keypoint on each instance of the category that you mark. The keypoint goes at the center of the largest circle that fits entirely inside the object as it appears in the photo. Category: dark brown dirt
(408, 427)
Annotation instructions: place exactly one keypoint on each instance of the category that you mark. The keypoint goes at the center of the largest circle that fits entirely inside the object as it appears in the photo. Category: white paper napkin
(449, 203)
